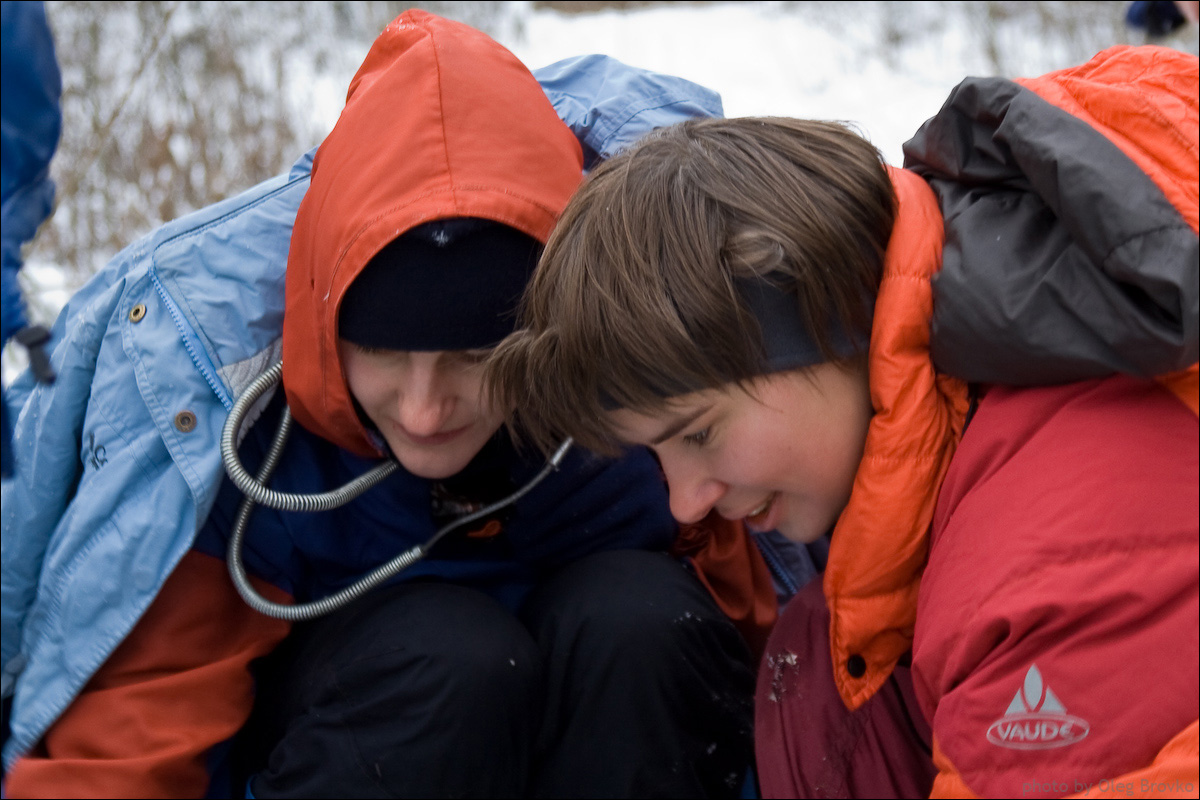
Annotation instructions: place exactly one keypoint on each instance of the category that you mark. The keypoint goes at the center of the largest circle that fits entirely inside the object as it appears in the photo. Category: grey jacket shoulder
(1063, 259)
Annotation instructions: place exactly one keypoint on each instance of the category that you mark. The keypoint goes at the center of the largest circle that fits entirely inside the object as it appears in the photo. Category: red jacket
(1044, 571)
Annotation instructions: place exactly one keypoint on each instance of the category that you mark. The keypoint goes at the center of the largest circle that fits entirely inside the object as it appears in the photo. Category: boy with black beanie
(554, 648)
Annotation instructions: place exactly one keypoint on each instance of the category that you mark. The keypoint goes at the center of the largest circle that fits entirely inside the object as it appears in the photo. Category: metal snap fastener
(185, 421)
(137, 312)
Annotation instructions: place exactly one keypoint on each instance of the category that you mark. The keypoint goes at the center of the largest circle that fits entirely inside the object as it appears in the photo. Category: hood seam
(437, 66)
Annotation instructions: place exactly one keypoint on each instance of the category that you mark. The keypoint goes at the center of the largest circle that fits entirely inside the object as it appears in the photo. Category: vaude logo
(1036, 719)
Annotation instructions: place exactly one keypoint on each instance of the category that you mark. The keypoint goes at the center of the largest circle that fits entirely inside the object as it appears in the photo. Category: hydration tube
(255, 490)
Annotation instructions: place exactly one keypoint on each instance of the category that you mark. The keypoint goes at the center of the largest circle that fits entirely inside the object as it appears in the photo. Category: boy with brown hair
(778, 315)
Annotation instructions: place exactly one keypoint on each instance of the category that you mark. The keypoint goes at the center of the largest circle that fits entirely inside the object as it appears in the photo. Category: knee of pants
(629, 604)
(381, 691)
(414, 640)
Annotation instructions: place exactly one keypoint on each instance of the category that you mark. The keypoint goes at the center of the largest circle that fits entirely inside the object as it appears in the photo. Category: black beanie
(451, 284)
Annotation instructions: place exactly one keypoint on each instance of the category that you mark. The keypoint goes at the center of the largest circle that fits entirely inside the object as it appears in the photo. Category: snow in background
(884, 67)
(765, 60)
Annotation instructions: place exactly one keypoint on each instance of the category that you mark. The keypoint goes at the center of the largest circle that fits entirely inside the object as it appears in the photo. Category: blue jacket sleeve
(610, 105)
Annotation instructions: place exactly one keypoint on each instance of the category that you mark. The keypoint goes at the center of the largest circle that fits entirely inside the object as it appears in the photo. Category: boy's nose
(692, 493)
(425, 405)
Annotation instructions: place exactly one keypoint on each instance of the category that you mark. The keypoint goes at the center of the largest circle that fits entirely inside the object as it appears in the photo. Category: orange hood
(440, 121)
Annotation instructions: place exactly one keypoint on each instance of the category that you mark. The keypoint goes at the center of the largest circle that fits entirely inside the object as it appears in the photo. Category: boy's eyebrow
(680, 423)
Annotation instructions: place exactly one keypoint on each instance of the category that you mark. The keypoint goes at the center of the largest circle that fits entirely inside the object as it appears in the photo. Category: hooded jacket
(1043, 572)
(210, 303)
(379, 174)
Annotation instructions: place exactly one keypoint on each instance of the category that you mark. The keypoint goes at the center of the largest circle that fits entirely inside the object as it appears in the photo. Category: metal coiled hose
(255, 490)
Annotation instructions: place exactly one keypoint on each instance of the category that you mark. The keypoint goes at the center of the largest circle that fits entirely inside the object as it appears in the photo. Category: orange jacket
(1143, 100)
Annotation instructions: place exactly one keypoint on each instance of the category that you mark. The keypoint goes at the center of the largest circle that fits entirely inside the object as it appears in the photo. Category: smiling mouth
(758, 516)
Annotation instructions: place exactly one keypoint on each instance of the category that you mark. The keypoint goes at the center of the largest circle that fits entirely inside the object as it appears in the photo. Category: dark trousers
(620, 678)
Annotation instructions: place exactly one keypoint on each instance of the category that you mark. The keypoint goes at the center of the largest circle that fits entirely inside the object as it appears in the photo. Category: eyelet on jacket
(856, 665)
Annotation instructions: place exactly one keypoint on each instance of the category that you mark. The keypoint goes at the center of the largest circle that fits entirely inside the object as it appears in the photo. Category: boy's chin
(800, 533)
(435, 466)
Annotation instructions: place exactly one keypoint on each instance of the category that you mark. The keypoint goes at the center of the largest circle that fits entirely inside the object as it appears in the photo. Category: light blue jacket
(114, 478)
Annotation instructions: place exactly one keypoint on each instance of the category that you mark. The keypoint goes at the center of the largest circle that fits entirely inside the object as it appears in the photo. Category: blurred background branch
(170, 106)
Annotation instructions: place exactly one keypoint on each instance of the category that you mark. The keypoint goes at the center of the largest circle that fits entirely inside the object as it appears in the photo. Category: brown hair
(636, 297)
